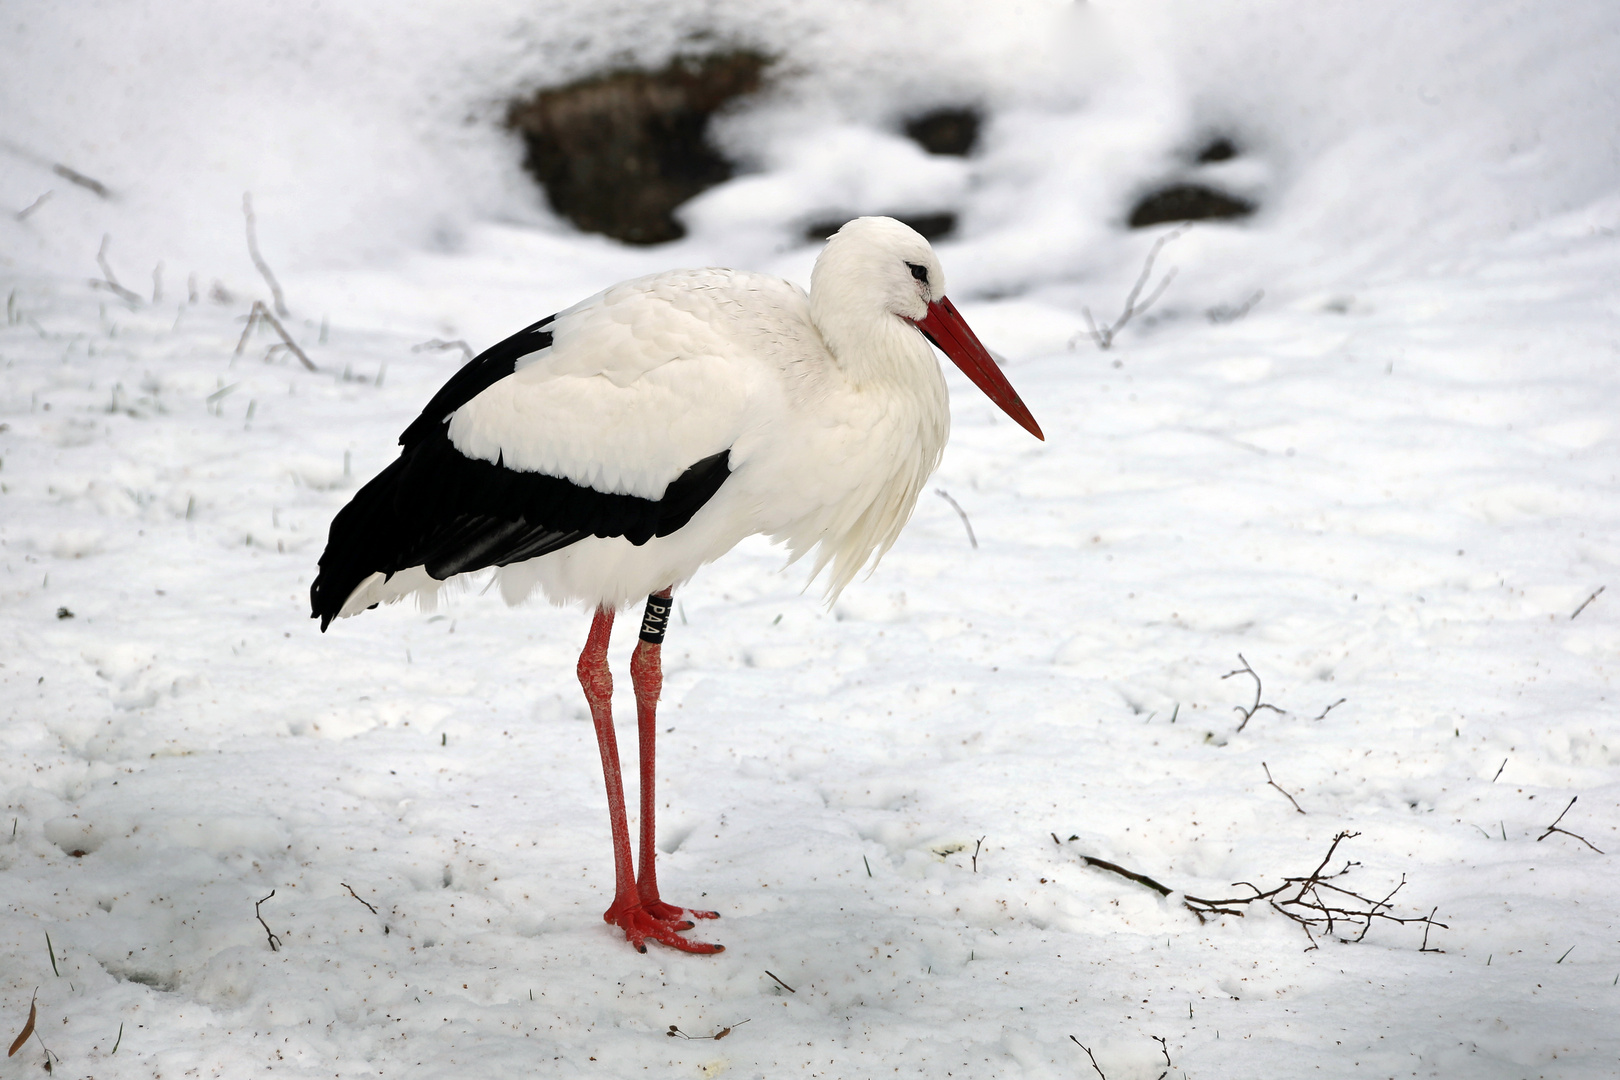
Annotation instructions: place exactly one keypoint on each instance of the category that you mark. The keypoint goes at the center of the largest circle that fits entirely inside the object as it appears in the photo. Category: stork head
(876, 270)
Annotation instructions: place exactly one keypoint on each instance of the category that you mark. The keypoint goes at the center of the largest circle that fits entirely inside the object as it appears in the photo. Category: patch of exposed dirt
(617, 153)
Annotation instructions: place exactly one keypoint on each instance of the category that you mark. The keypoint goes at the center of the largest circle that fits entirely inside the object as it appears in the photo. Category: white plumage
(831, 404)
(607, 453)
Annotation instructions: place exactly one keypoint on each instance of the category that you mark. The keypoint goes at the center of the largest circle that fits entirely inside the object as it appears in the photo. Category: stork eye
(919, 272)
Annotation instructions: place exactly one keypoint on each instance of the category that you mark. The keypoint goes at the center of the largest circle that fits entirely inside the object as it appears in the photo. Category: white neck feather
(862, 311)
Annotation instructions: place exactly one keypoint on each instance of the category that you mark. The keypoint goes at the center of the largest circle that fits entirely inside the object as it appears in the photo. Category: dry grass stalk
(258, 259)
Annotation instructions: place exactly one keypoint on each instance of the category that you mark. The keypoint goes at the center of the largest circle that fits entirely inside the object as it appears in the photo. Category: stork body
(606, 453)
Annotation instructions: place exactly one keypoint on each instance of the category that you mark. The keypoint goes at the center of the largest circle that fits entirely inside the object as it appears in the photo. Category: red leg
(597, 681)
(626, 912)
(646, 674)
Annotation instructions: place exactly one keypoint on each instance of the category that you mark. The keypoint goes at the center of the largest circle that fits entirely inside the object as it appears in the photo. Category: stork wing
(614, 418)
(477, 375)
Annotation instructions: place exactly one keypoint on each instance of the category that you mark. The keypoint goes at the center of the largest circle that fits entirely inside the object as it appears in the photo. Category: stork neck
(875, 348)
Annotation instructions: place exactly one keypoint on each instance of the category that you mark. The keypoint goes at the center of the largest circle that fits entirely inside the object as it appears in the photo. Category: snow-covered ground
(1389, 487)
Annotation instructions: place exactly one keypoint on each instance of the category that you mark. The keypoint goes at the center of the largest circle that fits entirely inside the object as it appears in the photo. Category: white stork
(604, 454)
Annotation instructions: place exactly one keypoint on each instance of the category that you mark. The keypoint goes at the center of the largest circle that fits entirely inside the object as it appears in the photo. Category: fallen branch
(1312, 901)
(89, 183)
(1323, 714)
(1104, 336)
(356, 895)
(1248, 714)
(1553, 828)
(1572, 614)
(260, 313)
(275, 942)
(1279, 787)
(258, 259)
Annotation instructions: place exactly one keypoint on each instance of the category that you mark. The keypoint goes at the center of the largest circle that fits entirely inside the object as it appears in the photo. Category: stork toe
(660, 910)
(640, 926)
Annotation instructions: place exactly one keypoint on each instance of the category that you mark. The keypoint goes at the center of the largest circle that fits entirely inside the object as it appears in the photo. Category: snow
(1389, 486)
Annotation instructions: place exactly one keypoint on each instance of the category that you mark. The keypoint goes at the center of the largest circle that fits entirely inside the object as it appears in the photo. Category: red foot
(639, 924)
(668, 912)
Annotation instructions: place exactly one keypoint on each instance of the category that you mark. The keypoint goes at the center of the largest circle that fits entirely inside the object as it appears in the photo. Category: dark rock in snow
(1187, 202)
(1219, 148)
(617, 153)
(946, 131)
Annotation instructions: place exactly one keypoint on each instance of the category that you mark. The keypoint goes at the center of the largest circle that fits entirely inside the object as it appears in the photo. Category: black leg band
(656, 619)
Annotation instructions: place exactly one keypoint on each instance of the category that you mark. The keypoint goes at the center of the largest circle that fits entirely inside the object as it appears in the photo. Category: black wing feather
(477, 375)
(437, 508)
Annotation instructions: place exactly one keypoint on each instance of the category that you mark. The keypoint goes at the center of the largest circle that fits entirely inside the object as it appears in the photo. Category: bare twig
(1164, 1047)
(1312, 901)
(676, 1033)
(1225, 313)
(1588, 600)
(28, 211)
(1553, 828)
(782, 984)
(275, 942)
(1248, 714)
(101, 260)
(1323, 714)
(961, 513)
(441, 345)
(247, 331)
(1089, 1054)
(371, 907)
(122, 293)
(1279, 787)
(1428, 923)
(109, 280)
(87, 182)
(1499, 769)
(1104, 336)
(258, 259)
(1115, 868)
(260, 313)
(976, 844)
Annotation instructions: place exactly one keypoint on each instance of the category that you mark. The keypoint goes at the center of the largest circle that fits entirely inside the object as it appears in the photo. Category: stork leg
(626, 912)
(646, 674)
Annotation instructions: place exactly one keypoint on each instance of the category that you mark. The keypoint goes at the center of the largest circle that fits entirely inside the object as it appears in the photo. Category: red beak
(944, 326)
